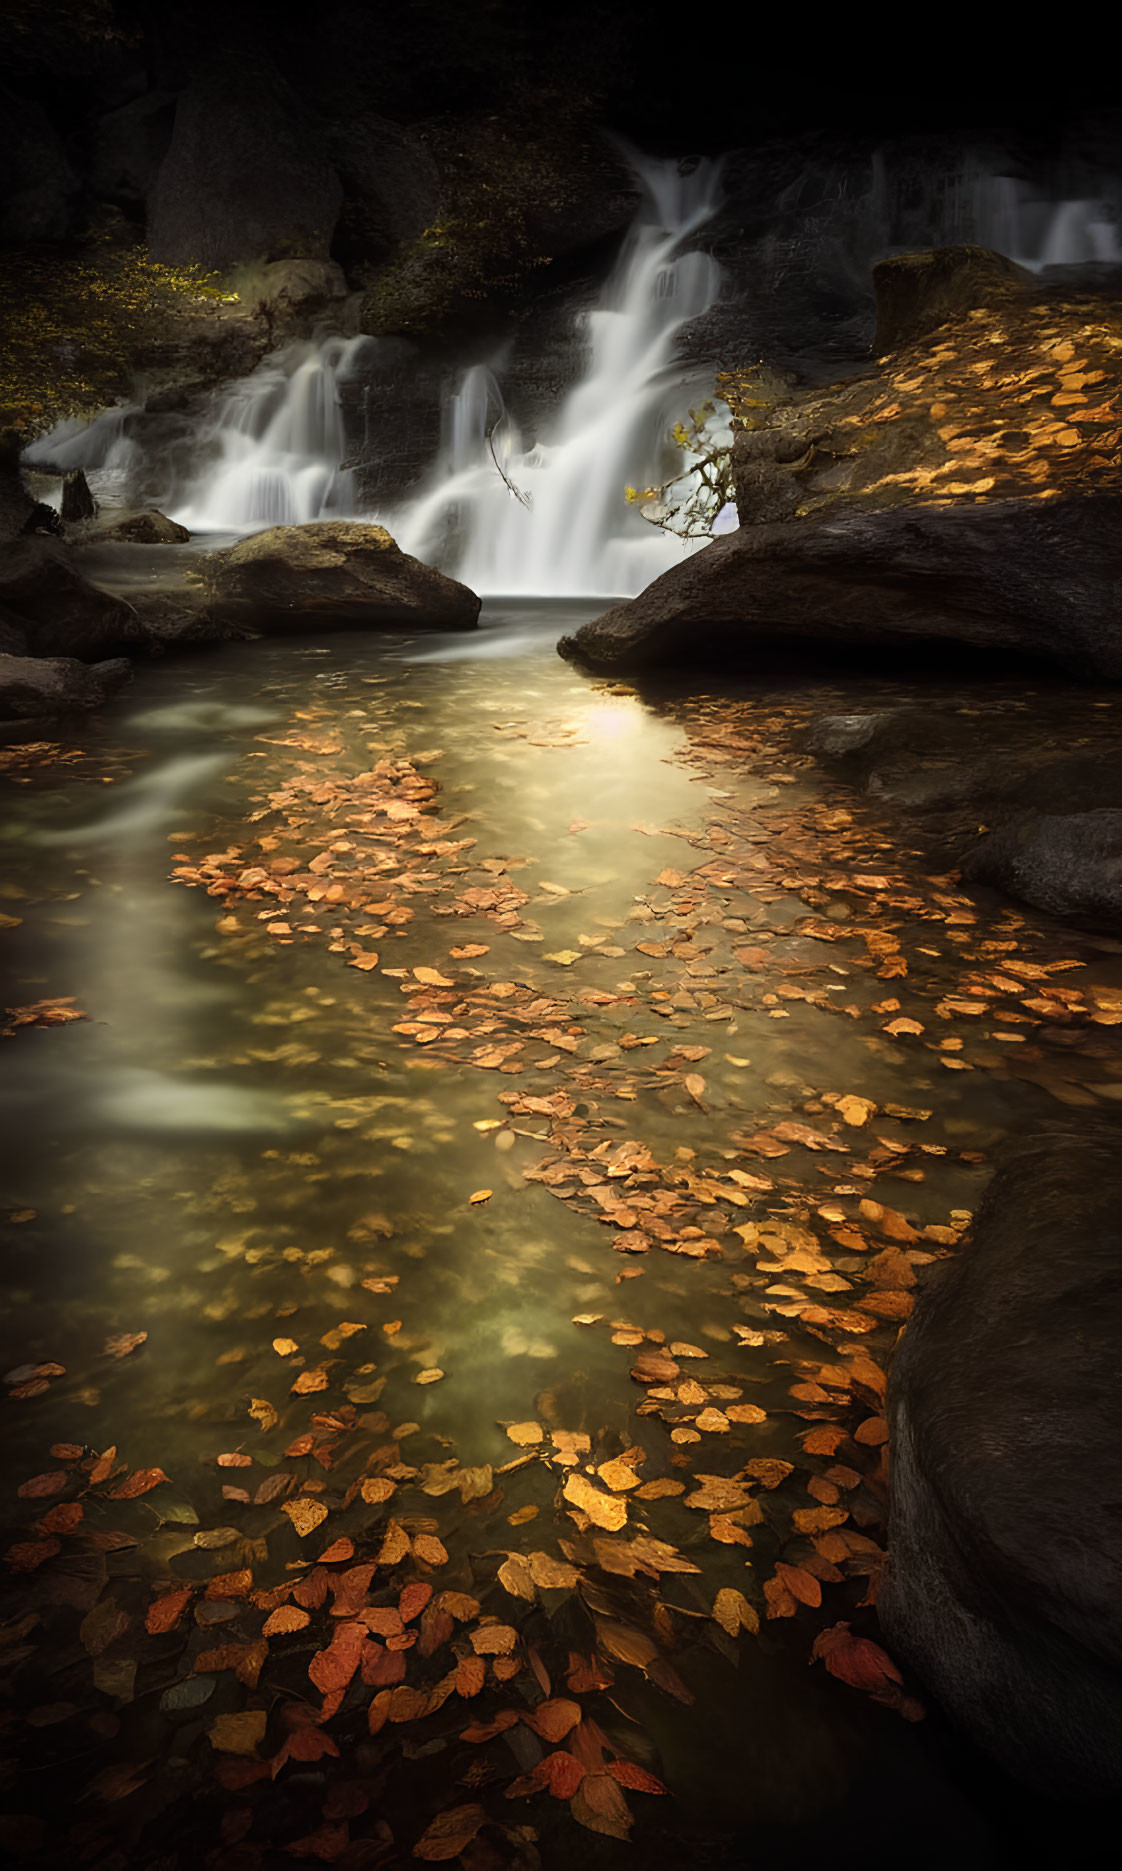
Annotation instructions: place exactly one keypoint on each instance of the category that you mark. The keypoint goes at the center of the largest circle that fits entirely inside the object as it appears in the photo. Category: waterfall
(278, 437)
(572, 533)
(1037, 232)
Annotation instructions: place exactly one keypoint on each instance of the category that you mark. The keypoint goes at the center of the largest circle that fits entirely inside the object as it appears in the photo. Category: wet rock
(332, 572)
(1013, 576)
(59, 611)
(42, 522)
(918, 292)
(56, 685)
(1069, 864)
(1005, 1538)
(391, 187)
(291, 293)
(246, 175)
(141, 526)
(13, 641)
(77, 501)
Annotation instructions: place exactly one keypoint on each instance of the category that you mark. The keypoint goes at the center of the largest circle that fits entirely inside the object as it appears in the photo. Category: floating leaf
(450, 1833)
(165, 1612)
(284, 1619)
(240, 1733)
(141, 1481)
(606, 1510)
(305, 1514)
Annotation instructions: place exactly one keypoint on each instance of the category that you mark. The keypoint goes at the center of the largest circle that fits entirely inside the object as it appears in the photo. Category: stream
(515, 1109)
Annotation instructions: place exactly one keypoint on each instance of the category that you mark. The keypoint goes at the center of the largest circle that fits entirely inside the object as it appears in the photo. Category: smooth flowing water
(553, 518)
(515, 1108)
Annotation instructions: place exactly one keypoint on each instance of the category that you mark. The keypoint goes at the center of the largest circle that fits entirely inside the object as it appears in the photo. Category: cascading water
(572, 533)
(1038, 232)
(280, 446)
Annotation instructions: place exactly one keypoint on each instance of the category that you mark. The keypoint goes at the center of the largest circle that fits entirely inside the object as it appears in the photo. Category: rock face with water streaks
(294, 577)
(1006, 1492)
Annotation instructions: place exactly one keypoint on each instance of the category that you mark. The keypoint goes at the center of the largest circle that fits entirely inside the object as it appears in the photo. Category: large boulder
(1067, 863)
(246, 175)
(59, 611)
(918, 292)
(1028, 577)
(332, 572)
(138, 526)
(40, 189)
(129, 145)
(34, 686)
(1005, 1538)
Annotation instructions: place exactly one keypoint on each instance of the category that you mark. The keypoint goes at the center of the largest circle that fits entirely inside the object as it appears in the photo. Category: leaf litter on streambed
(366, 1579)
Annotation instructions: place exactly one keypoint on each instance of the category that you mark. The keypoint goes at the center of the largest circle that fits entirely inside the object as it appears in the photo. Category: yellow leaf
(733, 1612)
(305, 1514)
(239, 1733)
(605, 1510)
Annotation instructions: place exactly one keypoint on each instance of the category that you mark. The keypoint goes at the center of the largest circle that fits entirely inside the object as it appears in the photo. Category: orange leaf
(801, 1584)
(136, 1484)
(286, 1618)
(40, 1487)
(630, 1774)
(555, 1719)
(165, 1612)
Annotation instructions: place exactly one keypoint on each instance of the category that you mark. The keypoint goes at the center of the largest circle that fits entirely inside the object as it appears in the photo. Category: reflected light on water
(610, 721)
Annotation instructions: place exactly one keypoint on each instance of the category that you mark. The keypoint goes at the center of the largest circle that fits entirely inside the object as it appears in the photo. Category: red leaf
(142, 1481)
(41, 1486)
(63, 1518)
(165, 1612)
(413, 1601)
(629, 1774)
(332, 1669)
(562, 1773)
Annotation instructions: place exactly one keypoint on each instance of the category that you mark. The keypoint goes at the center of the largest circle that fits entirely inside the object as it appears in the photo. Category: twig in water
(526, 499)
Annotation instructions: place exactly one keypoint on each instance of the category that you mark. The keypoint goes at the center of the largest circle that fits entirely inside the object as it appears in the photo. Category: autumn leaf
(554, 1719)
(165, 1612)
(41, 1487)
(635, 1778)
(599, 1805)
(450, 1833)
(284, 1619)
(239, 1733)
(305, 1514)
(800, 1583)
(606, 1510)
(733, 1612)
(141, 1481)
(309, 1381)
(124, 1343)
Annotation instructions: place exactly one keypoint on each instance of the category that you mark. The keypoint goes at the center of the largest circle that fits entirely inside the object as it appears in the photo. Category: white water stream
(573, 533)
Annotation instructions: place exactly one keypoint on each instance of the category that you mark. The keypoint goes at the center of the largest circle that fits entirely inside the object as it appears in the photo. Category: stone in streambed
(1005, 1535)
(1023, 577)
(140, 526)
(1068, 864)
(32, 686)
(333, 572)
(58, 610)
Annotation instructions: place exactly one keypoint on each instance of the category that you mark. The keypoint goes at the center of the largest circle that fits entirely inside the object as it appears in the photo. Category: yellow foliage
(73, 323)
